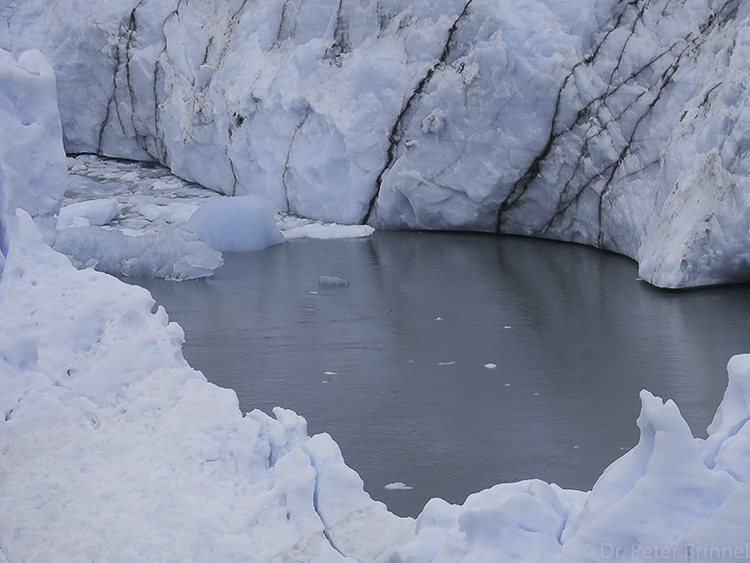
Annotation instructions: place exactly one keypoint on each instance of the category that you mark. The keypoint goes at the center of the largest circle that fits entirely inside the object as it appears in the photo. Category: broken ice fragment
(333, 281)
(398, 486)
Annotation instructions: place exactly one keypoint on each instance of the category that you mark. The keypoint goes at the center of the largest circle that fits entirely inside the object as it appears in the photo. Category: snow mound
(133, 455)
(236, 223)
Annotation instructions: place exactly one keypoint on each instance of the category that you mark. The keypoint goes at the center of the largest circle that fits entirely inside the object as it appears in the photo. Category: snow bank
(114, 448)
(616, 124)
(32, 160)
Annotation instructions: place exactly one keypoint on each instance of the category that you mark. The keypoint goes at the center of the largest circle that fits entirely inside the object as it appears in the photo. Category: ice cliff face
(32, 159)
(617, 124)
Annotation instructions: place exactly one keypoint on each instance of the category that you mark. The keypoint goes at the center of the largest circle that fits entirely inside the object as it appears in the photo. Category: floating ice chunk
(173, 253)
(236, 223)
(328, 231)
(178, 213)
(333, 281)
(398, 486)
(490, 366)
(85, 213)
(447, 363)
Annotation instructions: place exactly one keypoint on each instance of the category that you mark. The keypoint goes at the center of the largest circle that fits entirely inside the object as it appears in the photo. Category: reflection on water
(393, 365)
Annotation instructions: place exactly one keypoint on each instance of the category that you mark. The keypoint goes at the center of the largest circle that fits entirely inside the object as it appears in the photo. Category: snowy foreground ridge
(619, 124)
(112, 448)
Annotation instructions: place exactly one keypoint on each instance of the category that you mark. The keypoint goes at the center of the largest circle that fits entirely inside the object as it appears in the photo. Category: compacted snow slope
(620, 124)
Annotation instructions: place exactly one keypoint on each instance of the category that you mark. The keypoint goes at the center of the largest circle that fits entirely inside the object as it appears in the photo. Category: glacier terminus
(621, 124)
(617, 124)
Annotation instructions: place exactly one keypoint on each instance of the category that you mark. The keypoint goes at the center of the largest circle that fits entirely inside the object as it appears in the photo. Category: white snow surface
(617, 124)
(113, 448)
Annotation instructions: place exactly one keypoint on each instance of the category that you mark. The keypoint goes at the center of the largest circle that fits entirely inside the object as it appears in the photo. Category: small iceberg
(332, 281)
(398, 486)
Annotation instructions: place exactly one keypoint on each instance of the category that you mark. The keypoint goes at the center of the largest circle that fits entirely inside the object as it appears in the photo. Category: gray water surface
(393, 365)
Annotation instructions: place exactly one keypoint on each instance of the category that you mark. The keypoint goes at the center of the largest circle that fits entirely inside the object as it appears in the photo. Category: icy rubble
(126, 219)
(616, 124)
(133, 219)
(114, 448)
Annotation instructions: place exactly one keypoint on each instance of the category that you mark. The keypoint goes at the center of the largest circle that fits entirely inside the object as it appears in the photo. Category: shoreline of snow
(114, 448)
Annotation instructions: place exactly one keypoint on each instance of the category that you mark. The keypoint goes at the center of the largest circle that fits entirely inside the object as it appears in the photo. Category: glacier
(615, 124)
(631, 137)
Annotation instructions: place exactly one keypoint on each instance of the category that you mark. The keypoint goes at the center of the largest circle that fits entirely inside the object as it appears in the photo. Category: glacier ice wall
(617, 124)
(32, 159)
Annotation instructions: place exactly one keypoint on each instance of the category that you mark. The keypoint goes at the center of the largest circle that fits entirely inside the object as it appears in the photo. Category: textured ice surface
(240, 223)
(85, 213)
(127, 219)
(113, 448)
(131, 199)
(616, 124)
(32, 160)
